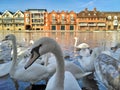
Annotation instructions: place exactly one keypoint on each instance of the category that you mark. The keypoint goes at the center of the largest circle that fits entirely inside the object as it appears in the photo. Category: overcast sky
(75, 5)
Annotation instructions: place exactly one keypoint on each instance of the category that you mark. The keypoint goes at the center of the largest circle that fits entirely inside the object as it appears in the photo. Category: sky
(66, 5)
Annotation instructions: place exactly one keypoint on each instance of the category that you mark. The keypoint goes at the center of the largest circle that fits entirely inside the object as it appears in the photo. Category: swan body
(5, 68)
(107, 70)
(17, 70)
(69, 81)
(87, 62)
(82, 45)
(77, 72)
(5, 48)
(59, 81)
(116, 54)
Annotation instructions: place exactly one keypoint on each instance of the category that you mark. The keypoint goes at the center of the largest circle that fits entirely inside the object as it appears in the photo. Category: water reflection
(66, 40)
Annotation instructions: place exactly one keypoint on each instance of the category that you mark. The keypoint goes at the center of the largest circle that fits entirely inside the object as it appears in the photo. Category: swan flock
(60, 73)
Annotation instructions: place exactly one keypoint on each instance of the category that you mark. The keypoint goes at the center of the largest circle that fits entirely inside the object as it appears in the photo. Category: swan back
(107, 70)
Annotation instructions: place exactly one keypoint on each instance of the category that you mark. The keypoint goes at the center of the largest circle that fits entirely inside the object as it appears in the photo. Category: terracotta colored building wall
(91, 20)
(62, 19)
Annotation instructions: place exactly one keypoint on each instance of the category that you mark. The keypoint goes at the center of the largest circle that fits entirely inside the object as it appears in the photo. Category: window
(53, 16)
(115, 17)
(109, 17)
(27, 20)
(63, 16)
(71, 18)
(53, 27)
(62, 27)
(71, 27)
(18, 15)
(89, 14)
(27, 14)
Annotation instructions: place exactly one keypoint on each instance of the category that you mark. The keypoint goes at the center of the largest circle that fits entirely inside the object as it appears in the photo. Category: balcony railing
(92, 24)
(19, 21)
(7, 21)
(101, 24)
(83, 24)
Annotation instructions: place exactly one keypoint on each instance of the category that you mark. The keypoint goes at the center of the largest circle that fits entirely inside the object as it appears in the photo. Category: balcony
(38, 23)
(101, 24)
(19, 21)
(72, 22)
(82, 24)
(54, 22)
(91, 24)
(7, 21)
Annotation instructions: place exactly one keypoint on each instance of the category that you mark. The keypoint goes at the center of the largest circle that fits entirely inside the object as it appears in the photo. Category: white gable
(7, 14)
(18, 14)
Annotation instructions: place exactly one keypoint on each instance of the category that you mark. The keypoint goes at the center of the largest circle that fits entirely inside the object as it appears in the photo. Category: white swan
(82, 45)
(107, 71)
(5, 68)
(61, 80)
(5, 48)
(87, 63)
(50, 63)
(69, 66)
(83, 48)
(17, 70)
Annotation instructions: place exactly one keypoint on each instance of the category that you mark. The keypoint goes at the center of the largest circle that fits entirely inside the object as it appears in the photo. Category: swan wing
(33, 74)
(70, 82)
(107, 70)
(5, 68)
(77, 72)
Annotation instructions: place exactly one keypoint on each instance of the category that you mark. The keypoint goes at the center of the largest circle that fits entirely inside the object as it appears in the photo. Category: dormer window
(89, 14)
(83, 14)
(71, 17)
(18, 15)
(94, 14)
(115, 17)
(109, 17)
(53, 16)
(7, 15)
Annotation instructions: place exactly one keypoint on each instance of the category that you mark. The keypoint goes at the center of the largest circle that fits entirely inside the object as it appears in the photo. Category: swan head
(9, 37)
(41, 47)
(75, 38)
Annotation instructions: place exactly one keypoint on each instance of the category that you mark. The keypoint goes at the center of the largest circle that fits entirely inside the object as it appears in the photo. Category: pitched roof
(88, 13)
(36, 10)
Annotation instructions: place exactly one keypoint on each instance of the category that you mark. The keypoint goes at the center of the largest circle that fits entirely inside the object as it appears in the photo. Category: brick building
(41, 19)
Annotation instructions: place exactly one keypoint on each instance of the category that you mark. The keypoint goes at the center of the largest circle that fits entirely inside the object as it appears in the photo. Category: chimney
(86, 10)
(95, 10)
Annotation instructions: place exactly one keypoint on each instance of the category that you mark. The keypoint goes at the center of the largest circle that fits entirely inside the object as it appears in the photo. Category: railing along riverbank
(23, 31)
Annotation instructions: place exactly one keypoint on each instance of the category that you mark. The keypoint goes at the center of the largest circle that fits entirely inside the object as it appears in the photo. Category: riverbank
(23, 31)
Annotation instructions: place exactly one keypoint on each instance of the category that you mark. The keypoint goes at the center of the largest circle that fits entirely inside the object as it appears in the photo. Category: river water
(66, 40)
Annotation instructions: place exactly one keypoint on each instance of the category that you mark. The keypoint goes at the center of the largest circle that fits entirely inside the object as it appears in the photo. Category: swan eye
(36, 49)
(40, 45)
(7, 37)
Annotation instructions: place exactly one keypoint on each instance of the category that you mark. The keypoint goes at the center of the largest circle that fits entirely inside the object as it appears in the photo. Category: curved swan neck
(14, 46)
(60, 66)
(75, 42)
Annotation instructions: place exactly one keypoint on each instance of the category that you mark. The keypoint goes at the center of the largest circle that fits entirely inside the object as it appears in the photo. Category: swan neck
(14, 57)
(14, 49)
(75, 42)
(60, 66)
